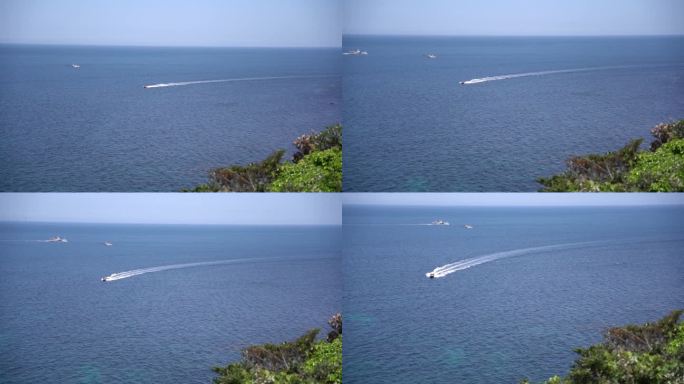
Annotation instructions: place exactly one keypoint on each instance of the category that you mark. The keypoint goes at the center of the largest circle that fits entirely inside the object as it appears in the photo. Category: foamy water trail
(142, 271)
(163, 85)
(467, 263)
(541, 73)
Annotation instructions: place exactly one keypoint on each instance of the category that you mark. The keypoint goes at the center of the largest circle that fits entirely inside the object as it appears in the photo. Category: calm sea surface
(519, 310)
(410, 126)
(97, 129)
(59, 323)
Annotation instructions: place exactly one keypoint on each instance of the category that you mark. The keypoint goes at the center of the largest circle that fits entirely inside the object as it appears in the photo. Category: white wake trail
(467, 263)
(177, 84)
(142, 271)
(540, 73)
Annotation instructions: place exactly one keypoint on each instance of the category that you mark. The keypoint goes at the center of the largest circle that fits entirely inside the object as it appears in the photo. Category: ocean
(511, 298)
(410, 125)
(60, 323)
(97, 129)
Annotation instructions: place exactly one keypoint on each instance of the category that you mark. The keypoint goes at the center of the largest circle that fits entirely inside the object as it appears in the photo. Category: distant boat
(431, 56)
(468, 226)
(431, 275)
(355, 52)
(107, 243)
(75, 66)
(57, 239)
(440, 222)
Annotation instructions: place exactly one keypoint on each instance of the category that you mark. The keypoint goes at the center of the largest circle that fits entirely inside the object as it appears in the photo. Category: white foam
(540, 73)
(178, 84)
(467, 263)
(142, 271)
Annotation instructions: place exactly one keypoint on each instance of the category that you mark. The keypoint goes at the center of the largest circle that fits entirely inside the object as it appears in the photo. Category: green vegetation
(659, 169)
(633, 354)
(315, 167)
(302, 361)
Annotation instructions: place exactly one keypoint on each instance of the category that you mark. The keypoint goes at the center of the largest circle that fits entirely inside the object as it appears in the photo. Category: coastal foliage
(305, 360)
(315, 167)
(648, 353)
(659, 169)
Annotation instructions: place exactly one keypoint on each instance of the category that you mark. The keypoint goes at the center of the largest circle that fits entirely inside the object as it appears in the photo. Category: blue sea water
(519, 315)
(59, 323)
(410, 126)
(97, 129)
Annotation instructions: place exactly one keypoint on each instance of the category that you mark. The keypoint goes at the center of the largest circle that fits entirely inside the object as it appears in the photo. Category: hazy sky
(514, 17)
(174, 208)
(513, 199)
(172, 22)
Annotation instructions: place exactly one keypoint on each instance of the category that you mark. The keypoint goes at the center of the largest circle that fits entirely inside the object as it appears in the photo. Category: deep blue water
(97, 129)
(503, 320)
(410, 126)
(59, 323)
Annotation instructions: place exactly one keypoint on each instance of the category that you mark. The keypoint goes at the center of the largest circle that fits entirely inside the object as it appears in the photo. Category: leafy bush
(315, 167)
(315, 172)
(628, 169)
(660, 171)
(633, 354)
(304, 360)
(665, 132)
(331, 137)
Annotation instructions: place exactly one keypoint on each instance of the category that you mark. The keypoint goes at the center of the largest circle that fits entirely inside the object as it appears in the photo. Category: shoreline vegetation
(315, 167)
(305, 360)
(646, 353)
(658, 169)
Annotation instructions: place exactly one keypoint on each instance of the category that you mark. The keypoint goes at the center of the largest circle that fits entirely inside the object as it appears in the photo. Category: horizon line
(171, 46)
(500, 35)
(149, 223)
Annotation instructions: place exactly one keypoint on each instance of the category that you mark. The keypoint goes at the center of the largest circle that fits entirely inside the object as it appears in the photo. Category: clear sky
(513, 199)
(514, 17)
(172, 22)
(174, 208)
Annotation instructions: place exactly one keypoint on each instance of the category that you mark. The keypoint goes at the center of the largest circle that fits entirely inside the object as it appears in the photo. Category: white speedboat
(431, 275)
(355, 52)
(107, 243)
(76, 66)
(467, 226)
(431, 56)
(57, 239)
(440, 222)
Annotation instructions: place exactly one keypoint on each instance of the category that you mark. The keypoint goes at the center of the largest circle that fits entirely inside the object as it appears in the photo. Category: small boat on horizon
(107, 243)
(431, 275)
(431, 56)
(467, 226)
(76, 66)
(440, 222)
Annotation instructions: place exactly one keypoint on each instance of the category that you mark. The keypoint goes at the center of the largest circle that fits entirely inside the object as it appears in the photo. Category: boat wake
(142, 271)
(467, 263)
(541, 73)
(164, 85)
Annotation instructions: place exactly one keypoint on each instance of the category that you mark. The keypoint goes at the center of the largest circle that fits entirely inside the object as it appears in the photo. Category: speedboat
(355, 52)
(76, 66)
(107, 243)
(431, 275)
(462, 82)
(57, 239)
(440, 222)
(468, 226)
(431, 56)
